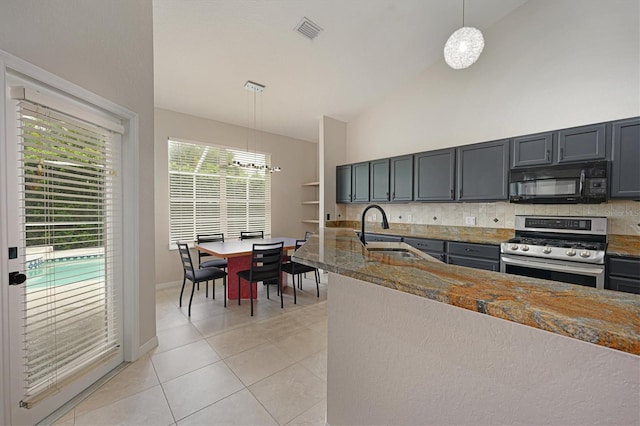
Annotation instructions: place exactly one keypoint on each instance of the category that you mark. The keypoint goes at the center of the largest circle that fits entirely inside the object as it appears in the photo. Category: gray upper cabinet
(379, 185)
(532, 150)
(625, 152)
(360, 183)
(343, 184)
(582, 143)
(483, 171)
(434, 175)
(401, 178)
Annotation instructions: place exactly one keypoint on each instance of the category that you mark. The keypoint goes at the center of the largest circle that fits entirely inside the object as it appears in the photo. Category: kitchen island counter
(602, 317)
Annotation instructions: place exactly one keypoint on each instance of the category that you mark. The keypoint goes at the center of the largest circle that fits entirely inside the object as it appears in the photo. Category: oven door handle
(588, 269)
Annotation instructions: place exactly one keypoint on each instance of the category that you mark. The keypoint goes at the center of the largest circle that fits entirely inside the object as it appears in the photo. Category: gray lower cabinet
(379, 184)
(434, 248)
(434, 175)
(381, 238)
(623, 274)
(401, 183)
(582, 143)
(532, 150)
(483, 171)
(625, 152)
(343, 184)
(360, 183)
(474, 255)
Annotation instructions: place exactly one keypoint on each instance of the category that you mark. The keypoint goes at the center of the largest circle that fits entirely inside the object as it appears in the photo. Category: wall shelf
(310, 221)
(310, 198)
(311, 202)
(311, 184)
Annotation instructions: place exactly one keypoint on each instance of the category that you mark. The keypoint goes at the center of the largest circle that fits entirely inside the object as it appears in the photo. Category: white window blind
(208, 195)
(71, 230)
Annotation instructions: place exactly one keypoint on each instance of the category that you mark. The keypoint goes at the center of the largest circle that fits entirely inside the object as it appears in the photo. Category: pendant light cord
(463, 13)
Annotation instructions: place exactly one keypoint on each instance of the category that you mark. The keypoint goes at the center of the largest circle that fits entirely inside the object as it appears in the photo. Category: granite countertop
(602, 317)
(618, 245)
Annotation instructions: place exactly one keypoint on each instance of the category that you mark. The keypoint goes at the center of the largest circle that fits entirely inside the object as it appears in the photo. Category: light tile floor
(222, 366)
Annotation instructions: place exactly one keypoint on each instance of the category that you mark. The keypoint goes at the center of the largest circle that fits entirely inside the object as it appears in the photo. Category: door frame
(130, 214)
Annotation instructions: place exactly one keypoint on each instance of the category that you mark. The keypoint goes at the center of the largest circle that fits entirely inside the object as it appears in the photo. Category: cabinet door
(343, 184)
(470, 262)
(402, 178)
(483, 171)
(360, 183)
(379, 185)
(434, 173)
(532, 150)
(625, 152)
(582, 143)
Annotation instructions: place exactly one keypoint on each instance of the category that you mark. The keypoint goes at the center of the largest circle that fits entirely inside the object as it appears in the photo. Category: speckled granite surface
(620, 245)
(602, 317)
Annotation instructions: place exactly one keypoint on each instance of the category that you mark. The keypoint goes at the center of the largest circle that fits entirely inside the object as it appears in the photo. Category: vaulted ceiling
(205, 51)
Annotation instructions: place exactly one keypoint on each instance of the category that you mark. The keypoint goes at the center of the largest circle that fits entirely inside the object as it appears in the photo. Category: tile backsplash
(624, 216)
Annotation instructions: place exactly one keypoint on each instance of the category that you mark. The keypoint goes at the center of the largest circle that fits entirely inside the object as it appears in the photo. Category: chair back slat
(267, 258)
(208, 238)
(300, 243)
(246, 235)
(185, 256)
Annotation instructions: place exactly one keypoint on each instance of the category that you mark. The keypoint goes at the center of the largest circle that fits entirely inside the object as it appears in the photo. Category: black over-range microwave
(560, 184)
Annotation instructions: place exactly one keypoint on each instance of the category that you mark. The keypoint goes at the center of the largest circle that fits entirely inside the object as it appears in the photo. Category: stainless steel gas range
(567, 249)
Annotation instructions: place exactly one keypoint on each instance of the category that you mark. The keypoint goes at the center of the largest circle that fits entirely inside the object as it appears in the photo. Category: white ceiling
(205, 50)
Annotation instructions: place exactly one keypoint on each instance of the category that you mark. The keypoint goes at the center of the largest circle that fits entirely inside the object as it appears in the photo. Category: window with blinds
(208, 194)
(71, 230)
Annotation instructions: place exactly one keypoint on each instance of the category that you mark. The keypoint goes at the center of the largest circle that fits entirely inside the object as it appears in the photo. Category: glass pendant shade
(463, 47)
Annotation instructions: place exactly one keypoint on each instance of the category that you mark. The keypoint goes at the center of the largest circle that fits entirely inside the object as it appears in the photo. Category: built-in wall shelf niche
(310, 198)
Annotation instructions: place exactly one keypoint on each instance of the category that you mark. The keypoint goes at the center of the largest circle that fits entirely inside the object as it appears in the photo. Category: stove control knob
(585, 253)
(514, 247)
(571, 252)
(546, 250)
(525, 248)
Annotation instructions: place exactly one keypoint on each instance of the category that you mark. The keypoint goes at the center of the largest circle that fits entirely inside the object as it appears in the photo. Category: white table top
(235, 248)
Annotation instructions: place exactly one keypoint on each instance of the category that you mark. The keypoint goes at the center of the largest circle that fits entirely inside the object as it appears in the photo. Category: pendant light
(464, 46)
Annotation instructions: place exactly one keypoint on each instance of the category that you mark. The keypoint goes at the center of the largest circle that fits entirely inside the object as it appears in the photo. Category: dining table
(238, 255)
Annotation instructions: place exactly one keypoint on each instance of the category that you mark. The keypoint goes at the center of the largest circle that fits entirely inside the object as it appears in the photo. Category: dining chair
(266, 265)
(247, 235)
(198, 275)
(215, 263)
(294, 268)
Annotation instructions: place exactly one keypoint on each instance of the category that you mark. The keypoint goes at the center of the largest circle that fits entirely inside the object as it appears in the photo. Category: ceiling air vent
(308, 28)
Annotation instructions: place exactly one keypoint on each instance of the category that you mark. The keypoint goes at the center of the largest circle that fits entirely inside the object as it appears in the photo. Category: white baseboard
(161, 286)
(146, 347)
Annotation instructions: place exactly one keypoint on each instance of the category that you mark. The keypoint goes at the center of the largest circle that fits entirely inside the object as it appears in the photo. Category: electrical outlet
(374, 217)
(409, 218)
(470, 220)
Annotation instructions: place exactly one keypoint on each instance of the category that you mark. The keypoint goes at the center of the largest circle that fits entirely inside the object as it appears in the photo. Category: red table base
(241, 263)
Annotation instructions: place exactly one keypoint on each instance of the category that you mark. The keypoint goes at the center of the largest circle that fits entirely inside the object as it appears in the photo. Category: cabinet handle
(548, 154)
(460, 194)
(393, 197)
(452, 194)
(561, 153)
(387, 195)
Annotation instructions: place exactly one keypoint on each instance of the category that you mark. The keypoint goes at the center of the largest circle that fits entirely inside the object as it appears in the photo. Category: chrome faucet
(385, 223)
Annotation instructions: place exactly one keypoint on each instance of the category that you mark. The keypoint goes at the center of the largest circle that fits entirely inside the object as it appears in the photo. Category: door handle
(16, 278)
(548, 154)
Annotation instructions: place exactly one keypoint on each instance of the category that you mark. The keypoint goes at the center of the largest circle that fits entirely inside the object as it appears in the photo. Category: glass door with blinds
(66, 318)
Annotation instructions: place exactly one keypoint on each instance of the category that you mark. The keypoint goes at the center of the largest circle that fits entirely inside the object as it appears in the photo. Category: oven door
(586, 274)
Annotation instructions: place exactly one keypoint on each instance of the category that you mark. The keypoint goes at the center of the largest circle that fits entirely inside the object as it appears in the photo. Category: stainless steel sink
(399, 250)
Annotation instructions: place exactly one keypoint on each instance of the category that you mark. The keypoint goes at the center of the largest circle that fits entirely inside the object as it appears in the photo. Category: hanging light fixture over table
(256, 88)
(464, 46)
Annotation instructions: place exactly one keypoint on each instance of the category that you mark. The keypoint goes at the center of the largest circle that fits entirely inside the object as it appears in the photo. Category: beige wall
(399, 359)
(105, 47)
(548, 65)
(297, 158)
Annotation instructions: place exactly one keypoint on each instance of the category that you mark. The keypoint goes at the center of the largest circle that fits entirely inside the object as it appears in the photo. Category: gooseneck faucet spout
(385, 223)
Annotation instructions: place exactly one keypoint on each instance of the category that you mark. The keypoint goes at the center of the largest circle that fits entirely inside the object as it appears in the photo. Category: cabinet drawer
(627, 285)
(475, 250)
(625, 267)
(489, 265)
(426, 244)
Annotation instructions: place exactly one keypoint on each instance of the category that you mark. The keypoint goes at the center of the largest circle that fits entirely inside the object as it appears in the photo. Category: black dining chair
(198, 275)
(266, 265)
(247, 235)
(215, 262)
(294, 268)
